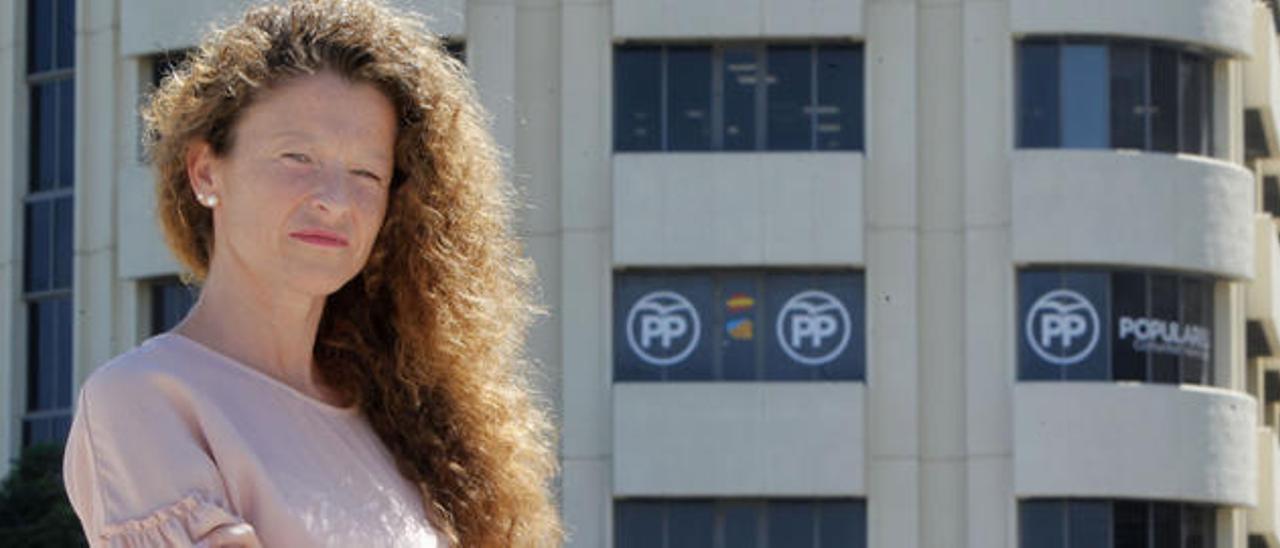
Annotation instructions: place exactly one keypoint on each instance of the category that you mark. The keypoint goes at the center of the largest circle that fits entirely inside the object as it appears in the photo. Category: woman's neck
(268, 326)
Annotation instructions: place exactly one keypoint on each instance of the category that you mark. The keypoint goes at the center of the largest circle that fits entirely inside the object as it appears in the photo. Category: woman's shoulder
(159, 366)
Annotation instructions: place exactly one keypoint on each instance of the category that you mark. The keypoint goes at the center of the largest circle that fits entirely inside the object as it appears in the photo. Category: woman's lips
(326, 239)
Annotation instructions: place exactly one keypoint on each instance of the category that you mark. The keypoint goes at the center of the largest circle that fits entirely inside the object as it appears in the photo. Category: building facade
(885, 273)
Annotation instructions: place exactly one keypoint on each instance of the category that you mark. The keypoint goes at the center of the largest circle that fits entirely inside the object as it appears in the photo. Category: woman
(351, 374)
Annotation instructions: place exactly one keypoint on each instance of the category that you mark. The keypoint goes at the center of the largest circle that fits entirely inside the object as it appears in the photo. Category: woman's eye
(298, 157)
(368, 175)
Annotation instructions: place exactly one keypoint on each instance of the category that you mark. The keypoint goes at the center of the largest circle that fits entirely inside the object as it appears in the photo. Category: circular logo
(1062, 327)
(663, 328)
(813, 327)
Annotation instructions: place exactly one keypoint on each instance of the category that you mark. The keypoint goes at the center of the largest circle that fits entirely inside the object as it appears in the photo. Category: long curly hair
(428, 338)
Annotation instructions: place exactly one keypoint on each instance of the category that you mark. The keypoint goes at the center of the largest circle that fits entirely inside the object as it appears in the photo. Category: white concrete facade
(939, 211)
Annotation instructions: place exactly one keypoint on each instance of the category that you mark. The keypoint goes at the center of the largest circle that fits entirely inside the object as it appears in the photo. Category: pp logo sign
(663, 328)
(813, 327)
(1062, 327)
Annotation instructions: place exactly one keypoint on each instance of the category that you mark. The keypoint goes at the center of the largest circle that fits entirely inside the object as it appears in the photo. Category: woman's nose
(332, 193)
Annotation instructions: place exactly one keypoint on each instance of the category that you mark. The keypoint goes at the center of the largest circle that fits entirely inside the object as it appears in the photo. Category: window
(48, 220)
(1122, 325)
(738, 97)
(740, 325)
(733, 523)
(1101, 523)
(1098, 93)
(170, 302)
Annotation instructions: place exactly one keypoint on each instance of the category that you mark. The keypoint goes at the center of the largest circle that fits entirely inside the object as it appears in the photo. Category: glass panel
(1042, 524)
(1131, 523)
(1089, 524)
(1195, 112)
(66, 33)
(690, 524)
(790, 523)
(741, 78)
(1195, 367)
(1164, 309)
(743, 326)
(39, 36)
(689, 98)
(1166, 526)
(1128, 300)
(170, 302)
(790, 125)
(662, 326)
(1092, 285)
(48, 322)
(63, 386)
(38, 246)
(44, 136)
(1199, 527)
(63, 217)
(839, 106)
(741, 525)
(1032, 285)
(1164, 99)
(637, 80)
(66, 133)
(1128, 96)
(1084, 96)
(815, 329)
(637, 524)
(842, 524)
(1038, 95)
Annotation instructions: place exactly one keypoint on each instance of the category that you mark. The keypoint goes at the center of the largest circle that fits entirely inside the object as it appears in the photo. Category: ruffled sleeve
(138, 471)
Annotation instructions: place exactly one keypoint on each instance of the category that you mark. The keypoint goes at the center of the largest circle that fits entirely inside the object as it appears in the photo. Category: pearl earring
(209, 200)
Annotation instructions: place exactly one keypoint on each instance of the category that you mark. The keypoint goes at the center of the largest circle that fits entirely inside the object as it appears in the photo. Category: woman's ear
(200, 169)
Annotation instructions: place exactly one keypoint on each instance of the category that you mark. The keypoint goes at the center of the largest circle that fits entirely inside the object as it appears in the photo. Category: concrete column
(586, 273)
(940, 77)
(893, 309)
(97, 70)
(12, 170)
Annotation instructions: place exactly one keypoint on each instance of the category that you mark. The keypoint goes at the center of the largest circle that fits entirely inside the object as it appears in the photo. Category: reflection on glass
(839, 108)
(1084, 96)
(1129, 108)
(1038, 95)
(1164, 99)
(637, 98)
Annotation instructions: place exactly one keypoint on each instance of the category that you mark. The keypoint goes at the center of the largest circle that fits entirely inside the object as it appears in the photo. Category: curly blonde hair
(428, 338)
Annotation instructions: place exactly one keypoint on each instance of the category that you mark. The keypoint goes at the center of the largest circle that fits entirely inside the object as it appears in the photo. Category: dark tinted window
(839, 107)
(699, 523)
(170, 302)
(1129, 96)
(789, 101)
(688, 98)
(1042, 524)
(1155, 326)
(1128, 299)
(637, 98)
(1088, 524)
(740, 79)
(738, 97)
(739, 325)
(1164, 99)
(1197, 111)
(1038, 95)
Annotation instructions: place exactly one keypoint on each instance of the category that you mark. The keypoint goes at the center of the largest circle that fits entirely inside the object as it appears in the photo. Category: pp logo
(663, 328)
(1062, 327)
(813, 327)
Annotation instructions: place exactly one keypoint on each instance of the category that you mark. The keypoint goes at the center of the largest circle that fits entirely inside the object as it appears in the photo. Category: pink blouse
(174, 444)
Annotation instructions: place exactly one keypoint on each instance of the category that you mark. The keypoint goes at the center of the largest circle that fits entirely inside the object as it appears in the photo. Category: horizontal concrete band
(734, 208)
(1224, 25)
(739, 439)
(1108, 440)
(1132, 209)
(648, 19)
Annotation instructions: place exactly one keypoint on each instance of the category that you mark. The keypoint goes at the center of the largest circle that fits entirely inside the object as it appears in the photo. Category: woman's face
(303, 191)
